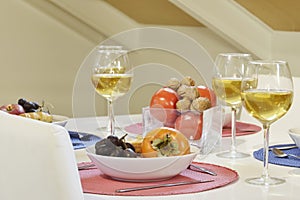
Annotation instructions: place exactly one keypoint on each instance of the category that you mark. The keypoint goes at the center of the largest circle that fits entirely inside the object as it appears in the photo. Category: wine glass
(267, 101)
(112, 77)
(228, 73)
(106, 129)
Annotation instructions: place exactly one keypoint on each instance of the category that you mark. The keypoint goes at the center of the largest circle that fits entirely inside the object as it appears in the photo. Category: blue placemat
(82, 140)
(288, 161)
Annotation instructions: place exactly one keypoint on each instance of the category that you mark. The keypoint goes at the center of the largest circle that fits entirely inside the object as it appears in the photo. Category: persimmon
(208, 93)
(163, 106)
(164, 141)
(190, 124)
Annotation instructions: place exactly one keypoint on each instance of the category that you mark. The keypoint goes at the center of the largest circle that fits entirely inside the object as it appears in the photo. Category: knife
(284, 147)
(161, 185)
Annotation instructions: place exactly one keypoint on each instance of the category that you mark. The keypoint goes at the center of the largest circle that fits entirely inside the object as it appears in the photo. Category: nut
(188, 92)
(188, 81)
(183, 104)
(200, 104)
(173, 83)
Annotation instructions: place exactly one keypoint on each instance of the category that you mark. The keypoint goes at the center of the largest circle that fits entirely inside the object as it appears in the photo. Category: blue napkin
(82, 140)
(288, 161)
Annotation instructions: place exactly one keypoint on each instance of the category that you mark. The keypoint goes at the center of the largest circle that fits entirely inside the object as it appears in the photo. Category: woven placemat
(287, 161)
(243, 128)
(95, 182)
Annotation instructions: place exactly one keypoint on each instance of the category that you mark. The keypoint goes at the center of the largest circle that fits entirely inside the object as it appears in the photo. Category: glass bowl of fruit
(189, 108)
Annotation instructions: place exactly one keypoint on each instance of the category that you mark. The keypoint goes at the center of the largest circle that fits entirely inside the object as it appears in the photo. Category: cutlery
(202, 169)
(281, 154)
(246, 130)
(242, 129)
(285, 147)
(161, 185)
(87, 166)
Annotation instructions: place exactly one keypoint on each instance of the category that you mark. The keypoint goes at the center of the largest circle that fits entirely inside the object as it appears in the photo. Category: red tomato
(190, 124)
(163, 103)
(160, 142)
(208, 93)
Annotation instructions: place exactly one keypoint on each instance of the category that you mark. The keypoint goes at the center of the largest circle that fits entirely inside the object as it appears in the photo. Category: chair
(37, 161)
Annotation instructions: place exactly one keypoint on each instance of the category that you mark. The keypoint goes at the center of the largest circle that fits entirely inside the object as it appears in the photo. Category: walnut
(183, 104)
(173, 83)
(188, 81)
(188, 92)
(200, 104)
(181, 90)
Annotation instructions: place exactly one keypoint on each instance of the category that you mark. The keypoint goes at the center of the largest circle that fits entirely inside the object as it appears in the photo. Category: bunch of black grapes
(114, 146)
(29, 106)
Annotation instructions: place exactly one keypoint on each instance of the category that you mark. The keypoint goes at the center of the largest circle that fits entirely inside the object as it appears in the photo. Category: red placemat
(136, 128)
(95, 182)
(243, 128)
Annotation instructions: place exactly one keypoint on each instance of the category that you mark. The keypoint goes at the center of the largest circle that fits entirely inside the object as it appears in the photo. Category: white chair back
(37, 161)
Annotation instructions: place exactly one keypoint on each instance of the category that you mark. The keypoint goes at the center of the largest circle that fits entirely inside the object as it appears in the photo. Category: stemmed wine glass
(112, 77)
(228, 73)
(267, 101)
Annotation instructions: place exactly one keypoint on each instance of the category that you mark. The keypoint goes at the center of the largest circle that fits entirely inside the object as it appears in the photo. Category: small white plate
(294, 133)
(60, 120)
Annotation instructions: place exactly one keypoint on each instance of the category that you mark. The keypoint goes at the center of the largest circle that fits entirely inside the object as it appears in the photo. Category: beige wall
(40, 57)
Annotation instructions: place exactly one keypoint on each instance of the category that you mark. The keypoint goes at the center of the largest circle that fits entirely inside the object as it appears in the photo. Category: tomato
(190, 124)
(164, 141)
(208, 93)
(163, 103)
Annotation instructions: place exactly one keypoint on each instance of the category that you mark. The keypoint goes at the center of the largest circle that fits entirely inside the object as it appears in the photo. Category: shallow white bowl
(141, 169)
(295, 135)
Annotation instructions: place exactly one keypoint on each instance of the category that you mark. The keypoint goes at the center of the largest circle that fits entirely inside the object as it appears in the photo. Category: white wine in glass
(228, 73)
(267, 101)
(112, 77)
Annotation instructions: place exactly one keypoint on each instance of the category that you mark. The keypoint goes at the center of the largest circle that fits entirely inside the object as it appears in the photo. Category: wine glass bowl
(267, 101)
(111, 77)
(111, 83)
(228, 73)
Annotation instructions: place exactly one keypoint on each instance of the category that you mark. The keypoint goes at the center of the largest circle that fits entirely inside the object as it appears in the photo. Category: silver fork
(87, 166)
(202, 169)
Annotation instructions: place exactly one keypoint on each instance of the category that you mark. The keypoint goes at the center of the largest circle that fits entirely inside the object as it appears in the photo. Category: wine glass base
(232, 155)
(295, 172)
(104, 131)
(265, 181)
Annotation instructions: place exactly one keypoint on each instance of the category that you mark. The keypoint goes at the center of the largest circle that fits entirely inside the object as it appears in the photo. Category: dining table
(245, 167)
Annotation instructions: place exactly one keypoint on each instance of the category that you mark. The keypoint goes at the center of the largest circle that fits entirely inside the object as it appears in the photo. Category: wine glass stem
(111, 117)
(233, 129)
(265, 174)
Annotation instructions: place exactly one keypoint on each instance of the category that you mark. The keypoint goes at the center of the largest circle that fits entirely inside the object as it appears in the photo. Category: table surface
(246, 167)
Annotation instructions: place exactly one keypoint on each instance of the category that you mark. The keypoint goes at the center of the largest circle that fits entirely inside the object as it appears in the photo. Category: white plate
(60, 120)
(141, 169)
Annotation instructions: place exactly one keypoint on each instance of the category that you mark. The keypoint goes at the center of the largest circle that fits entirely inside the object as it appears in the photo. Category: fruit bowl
(141, 169)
